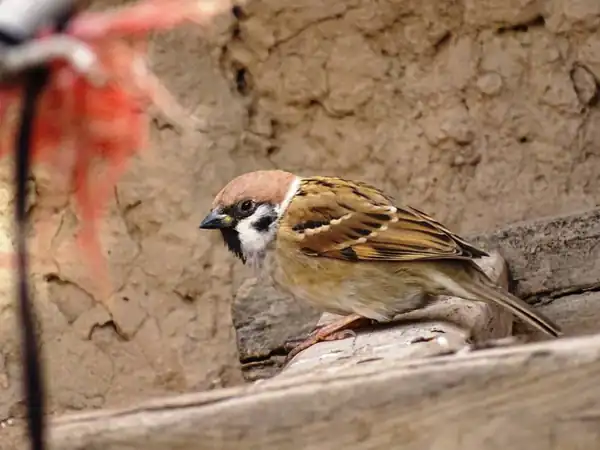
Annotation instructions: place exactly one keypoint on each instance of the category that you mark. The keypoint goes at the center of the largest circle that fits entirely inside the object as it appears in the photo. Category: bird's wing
(353, 221)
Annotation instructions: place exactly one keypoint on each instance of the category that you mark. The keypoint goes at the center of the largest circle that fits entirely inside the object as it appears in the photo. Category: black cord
(32, 362)
(9, 39)
(33, 368)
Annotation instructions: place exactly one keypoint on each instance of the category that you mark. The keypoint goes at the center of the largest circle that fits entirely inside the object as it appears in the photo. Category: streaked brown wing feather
(353, 221)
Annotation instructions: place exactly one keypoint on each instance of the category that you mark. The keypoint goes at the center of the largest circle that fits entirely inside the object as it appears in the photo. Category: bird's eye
(246, 207)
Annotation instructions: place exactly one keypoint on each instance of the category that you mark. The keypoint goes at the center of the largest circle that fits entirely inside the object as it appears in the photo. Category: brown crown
(260, 186)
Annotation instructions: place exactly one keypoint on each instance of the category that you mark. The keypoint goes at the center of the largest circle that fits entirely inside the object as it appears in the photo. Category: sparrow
(348, 248)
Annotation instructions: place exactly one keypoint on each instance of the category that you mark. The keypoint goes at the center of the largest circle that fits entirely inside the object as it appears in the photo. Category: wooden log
(537, 396)
(377, 393)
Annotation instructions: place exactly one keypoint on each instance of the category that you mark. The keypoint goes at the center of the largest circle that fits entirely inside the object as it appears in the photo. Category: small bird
(347, 248)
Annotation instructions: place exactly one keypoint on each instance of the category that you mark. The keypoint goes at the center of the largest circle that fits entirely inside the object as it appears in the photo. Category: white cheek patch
(255, 242)
(252, 240)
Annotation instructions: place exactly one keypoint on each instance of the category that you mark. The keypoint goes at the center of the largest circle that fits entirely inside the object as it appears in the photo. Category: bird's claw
(339, 335)
(315, 338)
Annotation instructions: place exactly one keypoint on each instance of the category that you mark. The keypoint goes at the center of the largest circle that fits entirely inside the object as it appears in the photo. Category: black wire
(33, 368)
(32, 362)
(9, 39)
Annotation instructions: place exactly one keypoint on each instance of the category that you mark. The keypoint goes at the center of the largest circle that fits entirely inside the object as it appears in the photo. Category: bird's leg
(340, 329)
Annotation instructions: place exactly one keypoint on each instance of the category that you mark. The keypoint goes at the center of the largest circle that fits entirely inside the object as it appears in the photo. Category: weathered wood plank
(538, 396)
(577, 314)
(550, 255)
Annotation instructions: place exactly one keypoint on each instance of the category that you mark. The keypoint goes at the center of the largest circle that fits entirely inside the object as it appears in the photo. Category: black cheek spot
(349, 254)
(264, 223)
(382, 217)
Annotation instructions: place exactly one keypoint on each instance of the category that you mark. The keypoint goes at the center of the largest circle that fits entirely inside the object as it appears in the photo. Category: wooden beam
(538, 396)
(378, 391)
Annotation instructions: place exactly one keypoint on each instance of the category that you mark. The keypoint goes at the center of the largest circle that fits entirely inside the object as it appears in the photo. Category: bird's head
(247, 211)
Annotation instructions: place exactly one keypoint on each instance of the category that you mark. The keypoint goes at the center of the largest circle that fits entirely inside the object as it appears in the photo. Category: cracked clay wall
(482, 112)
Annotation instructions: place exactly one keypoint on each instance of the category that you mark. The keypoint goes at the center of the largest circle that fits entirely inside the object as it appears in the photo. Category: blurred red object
(88, 118)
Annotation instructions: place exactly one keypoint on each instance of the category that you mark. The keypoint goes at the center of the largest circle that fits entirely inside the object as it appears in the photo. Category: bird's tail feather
(517, 306)
(479, 287)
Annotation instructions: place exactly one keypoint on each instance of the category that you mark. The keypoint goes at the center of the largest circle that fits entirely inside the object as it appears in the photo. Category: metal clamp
(16, 60)
(19, 21)
(23, 18)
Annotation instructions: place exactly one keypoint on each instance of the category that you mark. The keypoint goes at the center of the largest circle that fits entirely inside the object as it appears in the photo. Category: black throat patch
(232, 240)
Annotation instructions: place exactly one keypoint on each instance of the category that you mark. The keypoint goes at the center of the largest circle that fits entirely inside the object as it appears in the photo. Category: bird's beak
(216, 220)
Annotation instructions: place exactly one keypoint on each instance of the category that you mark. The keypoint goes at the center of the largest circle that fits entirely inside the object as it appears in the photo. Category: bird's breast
(374, 290)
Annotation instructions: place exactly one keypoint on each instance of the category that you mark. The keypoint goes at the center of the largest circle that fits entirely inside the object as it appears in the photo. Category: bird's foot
(315, 339)
(332, 332)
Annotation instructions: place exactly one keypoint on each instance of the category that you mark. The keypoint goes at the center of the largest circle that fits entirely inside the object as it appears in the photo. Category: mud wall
(479, 112)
